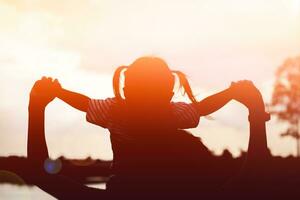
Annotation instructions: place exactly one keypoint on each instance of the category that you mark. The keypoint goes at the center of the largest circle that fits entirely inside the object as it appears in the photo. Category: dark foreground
(225, 178)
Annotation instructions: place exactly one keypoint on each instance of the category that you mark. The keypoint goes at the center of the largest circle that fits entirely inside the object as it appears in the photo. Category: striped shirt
(99, 113)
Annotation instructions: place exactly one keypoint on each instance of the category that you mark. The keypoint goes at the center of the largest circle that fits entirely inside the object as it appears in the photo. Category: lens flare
(52, 166)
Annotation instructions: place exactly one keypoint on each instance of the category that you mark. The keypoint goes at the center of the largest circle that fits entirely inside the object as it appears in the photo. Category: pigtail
(184, 83)
(116, 82)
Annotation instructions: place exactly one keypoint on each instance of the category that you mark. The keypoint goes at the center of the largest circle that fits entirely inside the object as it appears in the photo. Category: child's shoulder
(107, 99)
(184, 106)
(104, 102)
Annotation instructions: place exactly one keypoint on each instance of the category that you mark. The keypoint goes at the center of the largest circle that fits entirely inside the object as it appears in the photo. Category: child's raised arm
(76, 100)
(214, 102)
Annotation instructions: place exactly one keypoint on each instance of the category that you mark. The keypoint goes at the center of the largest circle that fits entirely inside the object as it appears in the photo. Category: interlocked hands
(246, 93)
(44, 91)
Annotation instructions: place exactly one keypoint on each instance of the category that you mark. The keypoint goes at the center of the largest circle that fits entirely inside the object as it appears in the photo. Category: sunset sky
(82, 42)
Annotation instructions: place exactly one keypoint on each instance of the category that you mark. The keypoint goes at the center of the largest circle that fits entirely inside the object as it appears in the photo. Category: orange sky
(81, 43)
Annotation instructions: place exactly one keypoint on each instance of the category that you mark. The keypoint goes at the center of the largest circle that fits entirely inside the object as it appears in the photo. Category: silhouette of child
(146, 106)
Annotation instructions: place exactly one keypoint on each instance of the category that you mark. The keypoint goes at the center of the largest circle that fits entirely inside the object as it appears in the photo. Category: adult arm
(250, 96)
(37, 151)
(41, 94)
(256, 165)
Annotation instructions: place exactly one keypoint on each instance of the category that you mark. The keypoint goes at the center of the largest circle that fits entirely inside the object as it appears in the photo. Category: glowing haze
(81, 43)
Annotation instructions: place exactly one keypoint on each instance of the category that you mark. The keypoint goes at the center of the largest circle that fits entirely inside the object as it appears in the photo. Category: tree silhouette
(286, 98)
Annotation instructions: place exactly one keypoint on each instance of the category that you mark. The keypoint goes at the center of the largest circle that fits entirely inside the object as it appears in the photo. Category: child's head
(149, 79)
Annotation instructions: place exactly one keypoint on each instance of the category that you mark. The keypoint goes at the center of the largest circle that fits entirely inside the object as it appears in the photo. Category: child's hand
(56, 86)
(246, 93)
